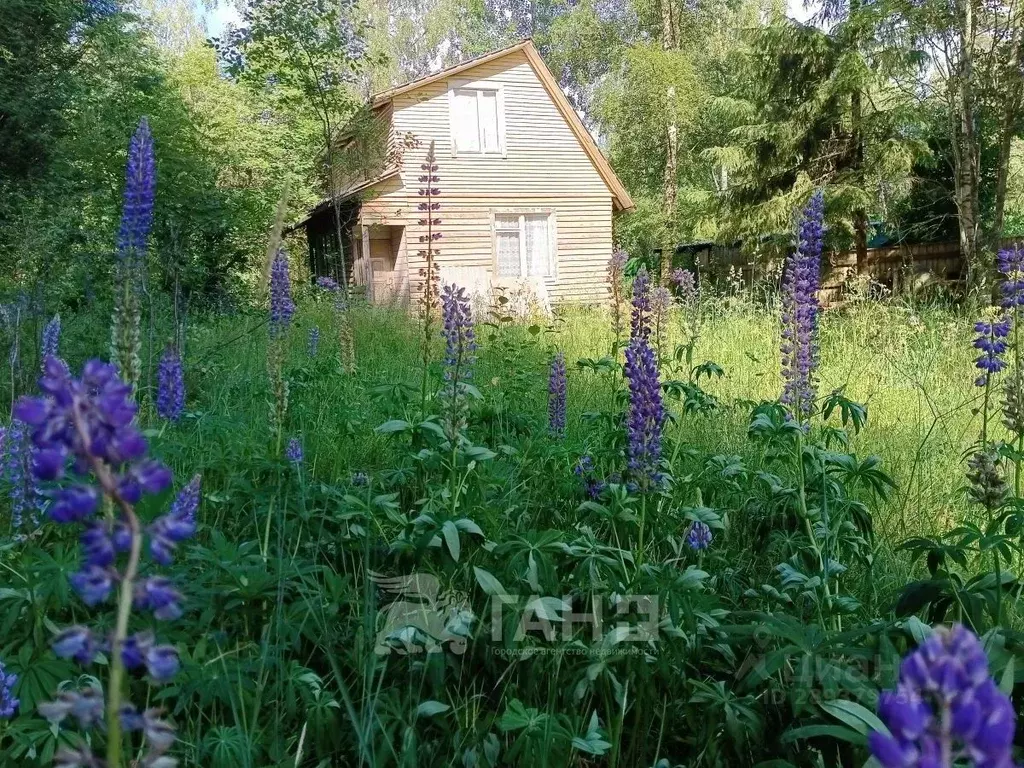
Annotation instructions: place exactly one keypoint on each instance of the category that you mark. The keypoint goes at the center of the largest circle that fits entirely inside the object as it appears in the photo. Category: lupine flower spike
(699, 536)
(646, 414)
(685, 284)
(430, 223)
(8, 701)
(991, 341)
(50, 346)
(616, 276)
(556, 396)
(282, 309)
(800, 311)
(945, 710)
(313, 344)
(170, 386)
(328, 284)
(132, 242)
(294, 451)
(84, 434)
(459, 356)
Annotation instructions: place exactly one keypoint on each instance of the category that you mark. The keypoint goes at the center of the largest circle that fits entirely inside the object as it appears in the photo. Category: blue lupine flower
(945, 709)
(170, 389)
(50, 346)
(640, 319)
(800, 310)
(139, 193)
(16, 450)
(328, 284)
(699, 537)
(1011, 267)
(91, 421)
(992, 343)
(685, 283)
(646, 414)
(457, 329)
(281, 305)
(8, 702)
(179, 524)
(556, 395)
(314, 341)
(583, 465)
(293, 452)
(360, 479)
(459, 356)
(594, 487)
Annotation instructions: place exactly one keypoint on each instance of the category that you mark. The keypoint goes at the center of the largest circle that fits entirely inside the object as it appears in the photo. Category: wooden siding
(544, 168)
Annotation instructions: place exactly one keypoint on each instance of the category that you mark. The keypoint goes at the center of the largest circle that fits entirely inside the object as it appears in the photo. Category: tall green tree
(305, 55)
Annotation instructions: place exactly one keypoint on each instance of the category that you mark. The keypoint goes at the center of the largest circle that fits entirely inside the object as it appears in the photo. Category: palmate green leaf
(856, 716)
(431, 708)
(393, 426)
(816, 731)
(488, 583)
(451, 539)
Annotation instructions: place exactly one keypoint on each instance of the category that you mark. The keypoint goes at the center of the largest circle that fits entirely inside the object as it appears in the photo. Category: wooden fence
(900, 268)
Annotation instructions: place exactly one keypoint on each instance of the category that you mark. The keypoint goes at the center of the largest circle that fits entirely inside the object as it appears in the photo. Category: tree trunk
(967, 155)
(860, 216)
(1011, 106)
(669, 190)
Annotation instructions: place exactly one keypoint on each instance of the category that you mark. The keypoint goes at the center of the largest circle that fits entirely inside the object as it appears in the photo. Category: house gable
(545, 148)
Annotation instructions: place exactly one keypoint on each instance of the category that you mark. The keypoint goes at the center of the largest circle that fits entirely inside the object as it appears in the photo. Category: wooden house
(526, 197)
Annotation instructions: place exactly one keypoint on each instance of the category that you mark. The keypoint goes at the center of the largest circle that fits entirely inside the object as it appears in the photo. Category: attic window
(477, 121)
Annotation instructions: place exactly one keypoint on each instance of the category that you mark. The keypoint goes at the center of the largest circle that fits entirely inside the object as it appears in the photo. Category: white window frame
(522, 213)
(478, 85)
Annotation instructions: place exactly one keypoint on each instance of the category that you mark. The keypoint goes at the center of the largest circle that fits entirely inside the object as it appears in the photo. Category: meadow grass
(265, 541)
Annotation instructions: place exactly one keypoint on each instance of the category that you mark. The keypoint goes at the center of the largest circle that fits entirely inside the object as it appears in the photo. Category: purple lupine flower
(281, 305)
(360, 479)
(170, 385)
(1011, 267)
(313, 344)
(89, 423)
(945, 709)
(8, 701)
(646, 414)
(556, 396)
(992, 343)
(616, 266)
(685, 283)
(640, 319)
(584, 465)
(139, 192)
(50, 346)
(179, 524)
(327, 283)
(16, 452)
(457, 329)
(699, 536)
(594, 487)
(459, 356)
(800, 310)
(293, 452)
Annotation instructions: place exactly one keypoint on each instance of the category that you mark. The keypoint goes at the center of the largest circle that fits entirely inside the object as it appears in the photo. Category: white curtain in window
(538, 256)
(508, 251)
(465, 121)
(487, 105)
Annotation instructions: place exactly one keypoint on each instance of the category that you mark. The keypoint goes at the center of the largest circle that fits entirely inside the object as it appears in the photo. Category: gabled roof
(620, 196)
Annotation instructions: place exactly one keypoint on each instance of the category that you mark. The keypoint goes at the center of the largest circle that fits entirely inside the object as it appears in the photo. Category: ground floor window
(524, 245)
